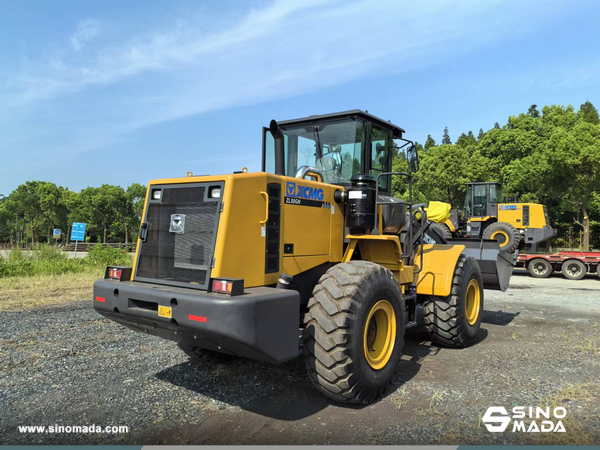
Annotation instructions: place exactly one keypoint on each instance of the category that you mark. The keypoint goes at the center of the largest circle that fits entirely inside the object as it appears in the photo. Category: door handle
(266, 196)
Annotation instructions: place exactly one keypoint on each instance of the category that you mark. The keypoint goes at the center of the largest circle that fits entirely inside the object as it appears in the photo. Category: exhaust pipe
(279, 148)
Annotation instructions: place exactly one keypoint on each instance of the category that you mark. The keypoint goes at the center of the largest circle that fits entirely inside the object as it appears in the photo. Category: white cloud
(85, 32)
(282, 50)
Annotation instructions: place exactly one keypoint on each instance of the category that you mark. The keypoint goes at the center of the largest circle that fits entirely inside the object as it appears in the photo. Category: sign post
(77, 234)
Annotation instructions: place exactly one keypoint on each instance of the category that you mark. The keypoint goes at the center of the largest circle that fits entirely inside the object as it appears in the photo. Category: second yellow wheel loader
(311, 257)
(514, 225)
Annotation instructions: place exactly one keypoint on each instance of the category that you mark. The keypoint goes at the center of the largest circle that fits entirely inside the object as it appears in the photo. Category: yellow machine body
(523, 215)
(310, 235)
(316, 233)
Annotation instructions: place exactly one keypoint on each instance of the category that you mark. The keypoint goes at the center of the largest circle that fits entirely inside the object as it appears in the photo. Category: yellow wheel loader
(486, 216)
(311, 257)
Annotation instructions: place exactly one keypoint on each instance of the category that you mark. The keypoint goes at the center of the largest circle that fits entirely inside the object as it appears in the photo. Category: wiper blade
(318, 140)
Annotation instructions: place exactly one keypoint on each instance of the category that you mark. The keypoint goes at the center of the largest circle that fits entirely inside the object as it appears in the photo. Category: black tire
(446, 318)
(441, 230)
(202, 355)
(507, 236)
(573, 269)
(598, 270)
(540, 268)
(335, 330)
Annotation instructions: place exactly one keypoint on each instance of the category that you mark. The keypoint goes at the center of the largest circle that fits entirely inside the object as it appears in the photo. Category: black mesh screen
(179, 257)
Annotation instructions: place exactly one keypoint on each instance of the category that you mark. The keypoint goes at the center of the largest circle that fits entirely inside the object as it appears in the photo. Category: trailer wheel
(198, 354)
(598, 270)
(573, 269)
(354, 332)
(441, 230)
(508, 236)
(540, 268)
(455, 320)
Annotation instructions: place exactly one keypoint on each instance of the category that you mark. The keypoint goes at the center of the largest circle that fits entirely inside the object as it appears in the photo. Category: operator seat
(329, 167)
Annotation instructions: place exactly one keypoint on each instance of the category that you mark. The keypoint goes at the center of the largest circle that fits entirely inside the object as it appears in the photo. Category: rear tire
(354, 332)
(573, 269)
(540, 268)
(202, 355)
(598, 270)
(455, 320)
(508, 236)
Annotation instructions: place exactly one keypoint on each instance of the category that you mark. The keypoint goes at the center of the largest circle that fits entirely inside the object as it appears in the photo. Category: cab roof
(397, 132)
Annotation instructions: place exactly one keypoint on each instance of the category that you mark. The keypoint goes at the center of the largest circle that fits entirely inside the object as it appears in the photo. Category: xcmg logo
(306, 192)
(496, 419)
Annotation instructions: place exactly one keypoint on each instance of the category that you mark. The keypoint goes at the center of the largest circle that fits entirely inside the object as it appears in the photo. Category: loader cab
(337, 145)
(481, 201)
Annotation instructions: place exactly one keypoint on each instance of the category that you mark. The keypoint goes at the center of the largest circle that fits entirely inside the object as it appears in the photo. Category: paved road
(539, 345)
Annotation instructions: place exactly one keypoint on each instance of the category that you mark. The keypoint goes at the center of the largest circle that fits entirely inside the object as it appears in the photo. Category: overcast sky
(117, 92)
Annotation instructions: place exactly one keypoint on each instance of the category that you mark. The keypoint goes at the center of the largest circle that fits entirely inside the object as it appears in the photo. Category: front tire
(540, 268)
(508, 236)
(354, 332)
(455, 320)
(573, 269)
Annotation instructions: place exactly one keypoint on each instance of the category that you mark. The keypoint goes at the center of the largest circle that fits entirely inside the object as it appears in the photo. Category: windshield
(335, 148)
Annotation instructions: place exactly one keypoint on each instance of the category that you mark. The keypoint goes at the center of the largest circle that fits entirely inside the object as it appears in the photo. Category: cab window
(335, 148)
(480, 200)
(380, 155)
(495, 193)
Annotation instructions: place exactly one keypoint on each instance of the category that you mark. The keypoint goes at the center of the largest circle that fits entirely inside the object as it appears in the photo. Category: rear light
(118, 273)
(227, 286)
(222, 286)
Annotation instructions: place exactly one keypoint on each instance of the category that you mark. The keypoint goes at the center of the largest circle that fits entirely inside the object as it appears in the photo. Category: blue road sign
(78, 232)
(56, 232)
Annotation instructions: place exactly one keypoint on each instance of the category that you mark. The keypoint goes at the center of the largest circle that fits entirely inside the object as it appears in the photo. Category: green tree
(533, 111)
(589, 113)
(445, 170)
(446, 137)
(573, 159)
(466, 140)
(480, 135)
(430, 142)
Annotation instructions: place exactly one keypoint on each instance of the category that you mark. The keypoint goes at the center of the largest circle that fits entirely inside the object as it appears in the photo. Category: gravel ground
(539, 345)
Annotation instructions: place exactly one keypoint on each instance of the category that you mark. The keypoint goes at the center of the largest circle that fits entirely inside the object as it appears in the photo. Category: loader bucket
(496, 266)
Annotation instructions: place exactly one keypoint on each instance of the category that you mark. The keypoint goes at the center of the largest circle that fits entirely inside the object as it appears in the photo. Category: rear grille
(181, 236)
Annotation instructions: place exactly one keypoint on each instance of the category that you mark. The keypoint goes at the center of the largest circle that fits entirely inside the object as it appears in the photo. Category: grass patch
(48, 277)
(577, 432)
(19, 293)
(49, 260)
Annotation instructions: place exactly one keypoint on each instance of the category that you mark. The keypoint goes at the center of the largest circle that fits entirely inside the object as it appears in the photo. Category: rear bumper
(262, 324)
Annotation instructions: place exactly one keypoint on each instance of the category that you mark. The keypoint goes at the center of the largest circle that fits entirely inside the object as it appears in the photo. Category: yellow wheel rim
(380, 334)
(472, 301)
(501, 237)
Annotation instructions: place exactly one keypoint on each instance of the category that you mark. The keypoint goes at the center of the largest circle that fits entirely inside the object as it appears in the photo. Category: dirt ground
(539, 346)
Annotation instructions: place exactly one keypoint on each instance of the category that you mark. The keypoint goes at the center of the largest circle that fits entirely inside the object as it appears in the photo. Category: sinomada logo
(526, 419)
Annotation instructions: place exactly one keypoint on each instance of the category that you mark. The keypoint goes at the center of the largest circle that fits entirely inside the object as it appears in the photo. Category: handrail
(266, 196)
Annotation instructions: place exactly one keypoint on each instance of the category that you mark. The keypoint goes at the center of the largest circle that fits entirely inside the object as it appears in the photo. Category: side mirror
(413, 159)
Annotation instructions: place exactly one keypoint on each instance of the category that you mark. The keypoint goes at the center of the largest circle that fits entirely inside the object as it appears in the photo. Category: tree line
(34, 209)
(549, 156)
